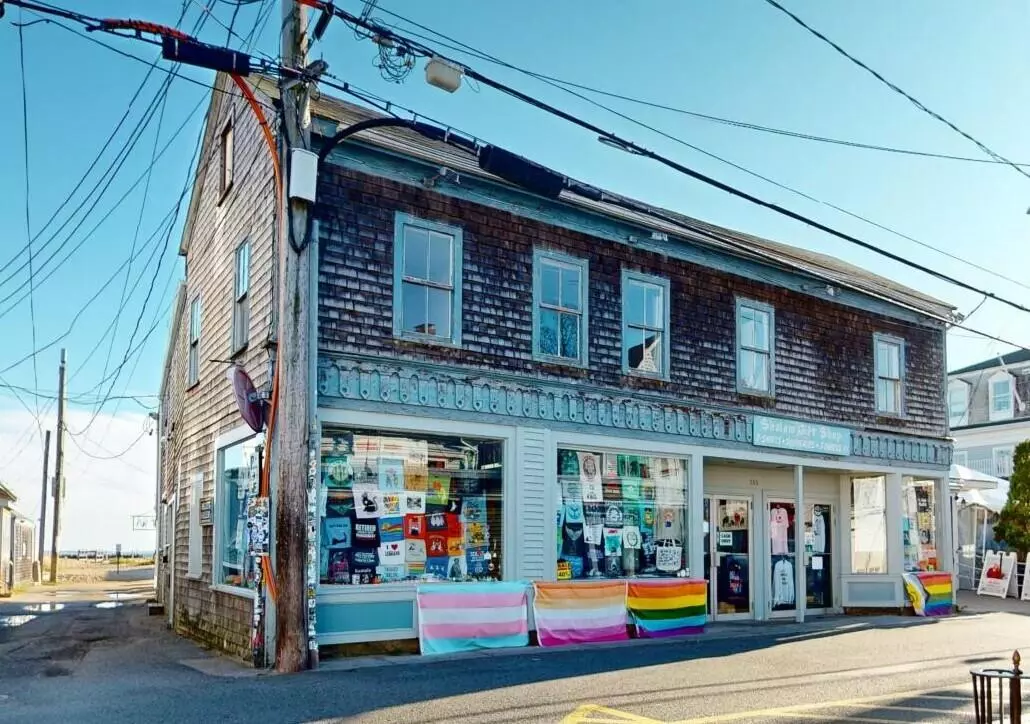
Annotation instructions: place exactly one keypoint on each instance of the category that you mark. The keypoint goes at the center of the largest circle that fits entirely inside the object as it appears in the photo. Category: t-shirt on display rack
(620, 516)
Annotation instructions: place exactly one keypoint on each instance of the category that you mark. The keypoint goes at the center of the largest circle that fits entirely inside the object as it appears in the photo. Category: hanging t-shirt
(819, 533)
(778, 525)
(783, 583)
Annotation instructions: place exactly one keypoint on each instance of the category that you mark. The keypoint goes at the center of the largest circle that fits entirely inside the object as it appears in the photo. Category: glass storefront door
(819, 555)
(816, 549)
(727, 541)
(779, 515)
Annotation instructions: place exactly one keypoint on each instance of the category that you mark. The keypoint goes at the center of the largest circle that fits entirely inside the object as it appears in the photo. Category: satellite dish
(251, 404)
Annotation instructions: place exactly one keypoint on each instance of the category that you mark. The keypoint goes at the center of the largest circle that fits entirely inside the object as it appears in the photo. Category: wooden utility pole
(291, 425)
(42, 504)
(58, 470)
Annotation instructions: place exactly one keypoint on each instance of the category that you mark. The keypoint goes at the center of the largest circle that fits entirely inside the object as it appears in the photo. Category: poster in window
(391, 554)
(437, 566)
(574, 512)
(368, 503)
(455, 547)
(454, 505)
(572, 490)
(631, 537)
(391, 574)
(594, 535)
(391, 529)
(338, 567)
(391, 475)
(475, 509)
(414, 526)
(590, 477)
(631, 488)
(436, 544)
(611, 466)
(337, 473)
(733, 515)
(366, 534)
(475, 561)
(365, 558)
(414, 551)
(613, 516)
(338, 533)
(613, 542)
(439, 489)
(456, 567)
(646, 513)
(475, 534)
(414, 502)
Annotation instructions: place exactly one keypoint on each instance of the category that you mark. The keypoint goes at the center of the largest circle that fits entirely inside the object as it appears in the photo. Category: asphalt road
(110, 665)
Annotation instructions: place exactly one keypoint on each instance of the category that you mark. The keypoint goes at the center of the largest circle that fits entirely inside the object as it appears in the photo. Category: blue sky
(739, 59)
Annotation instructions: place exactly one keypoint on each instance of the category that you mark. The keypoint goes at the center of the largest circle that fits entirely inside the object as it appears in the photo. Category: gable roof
(1012, 358)
(742, 245)
(6, 494)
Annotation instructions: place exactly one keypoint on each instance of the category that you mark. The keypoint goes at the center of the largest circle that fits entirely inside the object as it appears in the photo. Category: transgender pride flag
(455, 617)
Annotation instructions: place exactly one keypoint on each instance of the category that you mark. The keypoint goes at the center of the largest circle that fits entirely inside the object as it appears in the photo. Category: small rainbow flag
(455, 617)
(581, 612)
(939, 600)
(667, 607)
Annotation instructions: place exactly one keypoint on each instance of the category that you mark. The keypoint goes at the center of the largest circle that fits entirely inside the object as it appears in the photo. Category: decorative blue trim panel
(451, 392)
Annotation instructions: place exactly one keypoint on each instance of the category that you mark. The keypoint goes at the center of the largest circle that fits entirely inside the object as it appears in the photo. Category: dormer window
(1001, 404)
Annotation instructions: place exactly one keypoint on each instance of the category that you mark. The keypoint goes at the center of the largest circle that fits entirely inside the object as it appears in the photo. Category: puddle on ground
(43, 607)
(15, 621)
(126, 596)
(107, 604)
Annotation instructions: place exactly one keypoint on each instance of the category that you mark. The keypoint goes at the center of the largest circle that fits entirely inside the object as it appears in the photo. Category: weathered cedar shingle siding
(203, 412)
(824, 350)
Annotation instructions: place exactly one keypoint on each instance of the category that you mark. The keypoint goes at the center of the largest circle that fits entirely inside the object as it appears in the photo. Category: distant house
(17, 544)
(989, 411)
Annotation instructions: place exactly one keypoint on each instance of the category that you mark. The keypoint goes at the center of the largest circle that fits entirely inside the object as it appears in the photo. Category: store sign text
(803, 436)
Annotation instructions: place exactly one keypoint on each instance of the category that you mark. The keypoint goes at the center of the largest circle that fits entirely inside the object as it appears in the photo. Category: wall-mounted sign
(803, 436)
(248, 399)
(144, 522)
(207, 511)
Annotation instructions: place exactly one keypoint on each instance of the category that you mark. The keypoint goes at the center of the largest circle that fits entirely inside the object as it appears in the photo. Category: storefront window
(869, 525)
(399, 508)
(918, 525)
(620, 516)
(238, 485)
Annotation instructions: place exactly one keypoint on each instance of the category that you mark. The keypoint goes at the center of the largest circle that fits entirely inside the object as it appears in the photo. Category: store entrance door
(816, 552)
(727, 527)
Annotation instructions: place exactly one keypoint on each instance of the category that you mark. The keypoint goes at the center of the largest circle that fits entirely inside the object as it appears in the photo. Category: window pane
(549, 332)
(636, 303)
(919, 525)
(193, 372)
(888, 362)
(868, 525)
(754, 328)
(242, 270)
(570, 336)
(439, 313)
(644, 350)
(620, 515)
(416, 252)
(754, 370)
(570, 288)
(655, 306)
(238, 478)
(195, 320)
(1001, 394)
(440, 257)
(888, 398)
(418, 507)
(414, 308)
(550, 282)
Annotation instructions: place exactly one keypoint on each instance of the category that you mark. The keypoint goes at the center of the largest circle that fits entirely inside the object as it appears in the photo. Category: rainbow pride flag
(581, 612)
(667, 607)
(455, 617)
(939, 597)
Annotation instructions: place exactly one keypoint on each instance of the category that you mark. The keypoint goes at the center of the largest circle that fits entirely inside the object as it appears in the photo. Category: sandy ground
(70, 570)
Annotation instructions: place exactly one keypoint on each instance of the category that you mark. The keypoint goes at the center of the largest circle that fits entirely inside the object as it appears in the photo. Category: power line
(406, 45)
(897, 89)
(558, 83)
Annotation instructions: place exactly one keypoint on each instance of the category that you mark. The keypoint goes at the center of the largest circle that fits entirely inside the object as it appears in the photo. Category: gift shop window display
(918, 525)
(238, 473)
(620, 516)
(409, 508)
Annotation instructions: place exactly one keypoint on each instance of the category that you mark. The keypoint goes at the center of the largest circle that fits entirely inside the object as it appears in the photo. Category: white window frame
(646, 280)
(195, 561)
(887, 339)
(962, 419)
(1008, 452)
(961, 457)
(401, 223)
(193, 353)
(233, 437)
(562, 261)
(743, 387)
(992, 414)
(227, 158)
(241, 298)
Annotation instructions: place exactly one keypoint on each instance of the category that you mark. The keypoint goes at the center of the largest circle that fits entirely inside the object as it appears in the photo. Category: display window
(919, 525)
(869, 525)
(238, 474)
(396, 507)
(620, 515)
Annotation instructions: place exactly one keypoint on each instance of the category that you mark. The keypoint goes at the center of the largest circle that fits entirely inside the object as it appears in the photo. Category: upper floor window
(755, 347)
(1000, 396)
(427, 280)
(645, 324)
(961, 457)
(958, 403)
(193, 363)
(890, 364)
(1001, 457)
(241, 298)
(560, 307)
(226, 152)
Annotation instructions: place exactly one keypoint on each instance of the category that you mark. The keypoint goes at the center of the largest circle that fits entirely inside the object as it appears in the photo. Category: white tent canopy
(967, 479)
(992, 500)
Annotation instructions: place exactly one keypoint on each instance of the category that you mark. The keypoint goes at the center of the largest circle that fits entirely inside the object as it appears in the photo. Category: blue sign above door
(802, 436)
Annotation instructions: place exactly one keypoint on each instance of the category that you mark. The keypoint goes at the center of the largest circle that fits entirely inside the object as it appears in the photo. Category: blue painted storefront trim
(437, 391)
(345, 618)
(410, 171)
